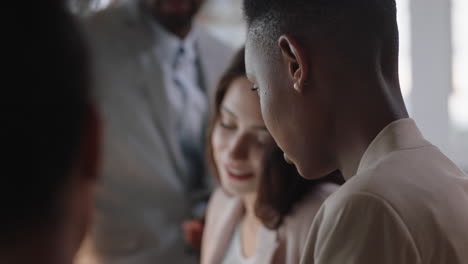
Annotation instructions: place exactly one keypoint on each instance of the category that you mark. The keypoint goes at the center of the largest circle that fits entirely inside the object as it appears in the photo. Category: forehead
(261, 52)
(243, 102)
(251, 59)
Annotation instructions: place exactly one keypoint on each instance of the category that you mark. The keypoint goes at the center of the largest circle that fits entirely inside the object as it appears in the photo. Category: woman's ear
(295, 58)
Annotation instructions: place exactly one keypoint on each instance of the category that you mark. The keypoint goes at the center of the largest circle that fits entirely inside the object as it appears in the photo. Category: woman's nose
(239, 148)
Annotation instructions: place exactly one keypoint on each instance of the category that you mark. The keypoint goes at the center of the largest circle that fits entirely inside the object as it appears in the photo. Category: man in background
(50, 135)
(155, 72)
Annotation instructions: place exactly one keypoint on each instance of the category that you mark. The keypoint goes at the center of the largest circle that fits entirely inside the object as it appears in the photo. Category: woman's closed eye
(227, 125)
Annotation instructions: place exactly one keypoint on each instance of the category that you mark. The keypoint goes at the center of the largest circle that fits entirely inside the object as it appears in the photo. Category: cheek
(267, 106)
(218, 143)
(256, 159)
(271, 113)
(274, 100)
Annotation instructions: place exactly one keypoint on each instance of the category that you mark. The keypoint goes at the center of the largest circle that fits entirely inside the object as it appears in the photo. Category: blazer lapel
(225, 231)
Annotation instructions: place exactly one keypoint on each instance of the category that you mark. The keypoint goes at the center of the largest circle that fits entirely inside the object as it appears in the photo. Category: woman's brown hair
(280, 186)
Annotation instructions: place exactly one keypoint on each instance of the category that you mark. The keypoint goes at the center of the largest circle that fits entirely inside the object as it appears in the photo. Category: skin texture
(175, 15)
(323, 110)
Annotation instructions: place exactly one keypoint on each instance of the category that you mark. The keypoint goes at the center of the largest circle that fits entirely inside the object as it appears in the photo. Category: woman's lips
(240, 176)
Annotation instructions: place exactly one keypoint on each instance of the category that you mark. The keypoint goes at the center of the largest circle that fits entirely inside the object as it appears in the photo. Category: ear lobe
(296, 61)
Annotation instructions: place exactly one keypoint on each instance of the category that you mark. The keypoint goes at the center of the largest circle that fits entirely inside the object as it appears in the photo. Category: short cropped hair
(350, 24)
(280, 187)
(45, 98)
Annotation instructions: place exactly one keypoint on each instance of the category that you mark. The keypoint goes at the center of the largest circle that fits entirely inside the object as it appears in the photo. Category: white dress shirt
(407, 204)
(234, 253)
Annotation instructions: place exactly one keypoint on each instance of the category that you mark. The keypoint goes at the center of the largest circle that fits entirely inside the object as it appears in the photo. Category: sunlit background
(459, 98)
(433, 61)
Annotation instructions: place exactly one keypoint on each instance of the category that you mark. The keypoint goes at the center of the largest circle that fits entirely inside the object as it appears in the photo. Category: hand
(193, 232)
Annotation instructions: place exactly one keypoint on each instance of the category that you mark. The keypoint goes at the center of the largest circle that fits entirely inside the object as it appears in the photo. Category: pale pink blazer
(407, 204)
(282, 246)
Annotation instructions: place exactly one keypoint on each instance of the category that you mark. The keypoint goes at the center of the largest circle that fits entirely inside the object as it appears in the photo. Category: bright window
(459, 99)
(224, 19)
(405, 49)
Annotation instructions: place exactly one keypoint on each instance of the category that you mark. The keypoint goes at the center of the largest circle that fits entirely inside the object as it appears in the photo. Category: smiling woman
(263, 204)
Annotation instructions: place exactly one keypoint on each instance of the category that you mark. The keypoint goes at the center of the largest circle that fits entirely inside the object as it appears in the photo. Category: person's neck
(179, 30)
(362, 118)
(249, 204)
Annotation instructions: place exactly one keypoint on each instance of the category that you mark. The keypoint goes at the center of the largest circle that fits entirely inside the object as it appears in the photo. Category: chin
(238, 190)
(312, 172)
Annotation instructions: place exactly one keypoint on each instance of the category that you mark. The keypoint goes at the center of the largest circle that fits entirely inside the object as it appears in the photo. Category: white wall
(433, 77)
